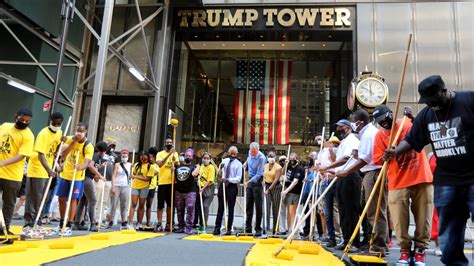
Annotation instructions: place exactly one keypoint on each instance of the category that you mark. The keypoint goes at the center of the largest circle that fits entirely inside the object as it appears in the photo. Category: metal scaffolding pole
(67, 13)
(100, 69)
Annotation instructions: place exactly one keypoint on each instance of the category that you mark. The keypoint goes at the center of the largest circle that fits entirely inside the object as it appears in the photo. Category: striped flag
(260, 98)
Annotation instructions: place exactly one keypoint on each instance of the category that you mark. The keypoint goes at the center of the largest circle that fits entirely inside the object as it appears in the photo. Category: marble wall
(123, 123)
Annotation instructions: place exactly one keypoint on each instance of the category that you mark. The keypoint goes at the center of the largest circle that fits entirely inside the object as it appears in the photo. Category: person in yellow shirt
(76, 145)
(16, 143)
(142, 174)
(153, 184)
(40, 167)
(207, 175)
(166, 160)
(272, 172)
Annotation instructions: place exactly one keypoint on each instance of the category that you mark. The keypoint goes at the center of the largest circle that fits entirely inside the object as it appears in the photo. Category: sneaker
(258, 233)
(67, 232)
(420, 257)
(130, 227)
(45, 220)
(331, 243)
(390, 243)
(79, 227)
(110, 225)
(158, 228)
(178, 230)
(324, 239)
(139, 226)
(438, 252)
(228, 233)
(26, 231)
(405, 257)
(282, 233)
(167, 228)
(216, 232)
(188, 231)
(123, 226)
(94, 228)
(340, 246)
(16, 216)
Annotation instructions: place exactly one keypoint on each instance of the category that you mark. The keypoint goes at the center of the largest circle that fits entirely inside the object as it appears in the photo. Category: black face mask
(341, 134)
(21, 125)
(168, 147)
(310, 162)
(293, 162)
(187, 160)
(387, 123)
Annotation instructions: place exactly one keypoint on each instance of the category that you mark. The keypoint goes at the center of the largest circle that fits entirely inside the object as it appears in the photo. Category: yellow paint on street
(38, 252)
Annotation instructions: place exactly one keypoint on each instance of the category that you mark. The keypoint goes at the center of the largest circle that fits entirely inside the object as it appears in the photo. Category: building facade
(267, 71)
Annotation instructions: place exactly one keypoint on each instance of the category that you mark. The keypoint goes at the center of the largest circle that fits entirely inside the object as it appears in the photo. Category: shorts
(164, 195)
(151, 193)
(291, 199)
(22, 191)
(64, 186)
(142, 193)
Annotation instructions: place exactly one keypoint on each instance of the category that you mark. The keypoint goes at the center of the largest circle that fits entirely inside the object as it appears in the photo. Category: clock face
(351, 97)
(371, 92)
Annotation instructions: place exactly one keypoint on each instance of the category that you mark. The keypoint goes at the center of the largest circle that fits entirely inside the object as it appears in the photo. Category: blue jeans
(454, 205)
(329, 212)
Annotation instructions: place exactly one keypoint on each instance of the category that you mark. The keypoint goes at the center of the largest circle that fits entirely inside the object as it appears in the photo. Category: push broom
(69, 198)
(390, 142)
(277, 224)
(35, 234)
(174, 122)
(280, 254)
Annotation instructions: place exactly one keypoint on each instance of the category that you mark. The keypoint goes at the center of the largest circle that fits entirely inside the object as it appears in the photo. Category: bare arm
(353, 168)
(332, 155)
(291, 186)
(114, 174)
(45, 165)
(12, 160)
(66, 150)
(335, 164)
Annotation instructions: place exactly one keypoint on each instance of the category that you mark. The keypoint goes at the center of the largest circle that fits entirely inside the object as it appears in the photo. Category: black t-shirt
(454, 151)
(185, 182)
(292, 173)
(98, 161)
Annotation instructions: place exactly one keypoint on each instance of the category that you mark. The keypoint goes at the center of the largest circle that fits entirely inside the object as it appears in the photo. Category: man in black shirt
(447, 123)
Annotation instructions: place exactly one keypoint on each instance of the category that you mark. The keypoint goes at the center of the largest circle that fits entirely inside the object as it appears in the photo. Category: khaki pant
(98, 194)
(381, 232)
(421, 196)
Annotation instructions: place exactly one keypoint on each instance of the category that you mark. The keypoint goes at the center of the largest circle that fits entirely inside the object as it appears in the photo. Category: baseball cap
(334, 139)
(429, 87)
(380, 112)
(343, 122)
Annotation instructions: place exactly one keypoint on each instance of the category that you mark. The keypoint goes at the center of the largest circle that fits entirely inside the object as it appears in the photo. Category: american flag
(255, 112)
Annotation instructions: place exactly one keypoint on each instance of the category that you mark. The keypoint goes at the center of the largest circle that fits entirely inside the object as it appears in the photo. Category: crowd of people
(278, 188)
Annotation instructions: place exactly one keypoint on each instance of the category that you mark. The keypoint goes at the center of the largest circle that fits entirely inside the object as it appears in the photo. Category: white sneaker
(130, 227)
(26, 231)
(438, 252)
(67, 232)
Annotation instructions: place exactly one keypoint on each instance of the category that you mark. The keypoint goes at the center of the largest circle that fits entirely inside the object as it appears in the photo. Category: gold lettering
(269, 13)
(184, 18)
(214, 22)
(281, 17)
(199, 18)
(230, 20)
(327, 17)
(251, 16)
(306, 16)
(342, 17)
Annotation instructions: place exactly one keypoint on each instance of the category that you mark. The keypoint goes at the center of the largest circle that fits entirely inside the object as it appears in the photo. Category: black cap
(380, 112)
(101, 146)
(343, 122)
(429, 87)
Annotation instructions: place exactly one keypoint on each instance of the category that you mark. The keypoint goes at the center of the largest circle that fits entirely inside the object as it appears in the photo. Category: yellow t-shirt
(155, 176)
(270, 174)
(207, 173)
(13, 142)
(47, 143)
(144, 171)
(167, 168)
(68, 169)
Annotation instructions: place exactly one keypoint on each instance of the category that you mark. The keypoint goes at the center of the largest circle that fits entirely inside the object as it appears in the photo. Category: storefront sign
(323, 17)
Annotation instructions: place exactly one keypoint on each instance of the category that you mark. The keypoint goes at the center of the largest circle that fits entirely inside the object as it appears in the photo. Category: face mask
(187, 160)
(293, 162)
(124, 159)
(387, 123)
(21, 125)
(181, 158)
(271, 160)
(205, 161)
(319, 142)
(311, 161)
(53, 128)
(144, 160)
(81, 134)
(168, 147)
(341, 134)
(282, 162)
(354, 126)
